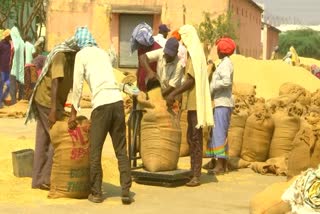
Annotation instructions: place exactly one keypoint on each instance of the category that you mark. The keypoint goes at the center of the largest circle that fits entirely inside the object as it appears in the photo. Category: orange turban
(226, 46)
(176, 35)
(6, 33)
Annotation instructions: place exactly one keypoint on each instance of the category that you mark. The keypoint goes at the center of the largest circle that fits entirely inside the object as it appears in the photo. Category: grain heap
(268, 75)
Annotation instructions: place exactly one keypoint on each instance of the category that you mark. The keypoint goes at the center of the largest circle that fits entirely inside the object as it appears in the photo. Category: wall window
(127, 23)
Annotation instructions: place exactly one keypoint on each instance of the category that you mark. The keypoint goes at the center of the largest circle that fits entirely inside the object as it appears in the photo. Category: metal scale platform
(173, 178)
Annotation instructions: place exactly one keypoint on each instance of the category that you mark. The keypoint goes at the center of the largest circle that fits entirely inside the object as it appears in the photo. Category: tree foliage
(210, 29)
(24, 13)
(306, 42)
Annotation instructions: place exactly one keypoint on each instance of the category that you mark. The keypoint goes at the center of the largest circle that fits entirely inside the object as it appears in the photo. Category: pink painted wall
(64, 16)
(249, 30)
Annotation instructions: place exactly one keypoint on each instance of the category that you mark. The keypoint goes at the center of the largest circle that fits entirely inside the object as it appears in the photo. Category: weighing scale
(166, 178)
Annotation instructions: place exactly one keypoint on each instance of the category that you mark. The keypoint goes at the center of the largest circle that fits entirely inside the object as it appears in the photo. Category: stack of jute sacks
(304, 154)
(276, 136)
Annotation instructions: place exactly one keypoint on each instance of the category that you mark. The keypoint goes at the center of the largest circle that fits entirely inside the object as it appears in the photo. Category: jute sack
(277, 166)
(245, 92)
(160, 135)
(269, 200)
(285, 129)
(70, 168)
(184, 147)
(315, 98)
(297, 92)
(235, 163)
(235, 132)
(244, 89)
(299, 157)
(314, 117)
(315, 150)
(257, 135)
(289, 88)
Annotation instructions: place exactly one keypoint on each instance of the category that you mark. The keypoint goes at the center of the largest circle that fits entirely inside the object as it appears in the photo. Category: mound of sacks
(278, 136)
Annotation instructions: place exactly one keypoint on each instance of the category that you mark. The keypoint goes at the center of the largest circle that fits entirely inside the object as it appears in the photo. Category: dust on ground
(228, 193)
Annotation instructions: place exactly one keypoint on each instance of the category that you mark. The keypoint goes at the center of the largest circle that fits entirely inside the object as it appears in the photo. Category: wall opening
(127, 22)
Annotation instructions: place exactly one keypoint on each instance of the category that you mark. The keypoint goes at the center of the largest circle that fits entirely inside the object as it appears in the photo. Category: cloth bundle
(304, 193)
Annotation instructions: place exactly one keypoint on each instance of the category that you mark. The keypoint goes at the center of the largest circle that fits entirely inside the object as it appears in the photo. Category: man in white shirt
(93, 65)
(29, 50)
(221, 91)
(161, 38)
(169, 67)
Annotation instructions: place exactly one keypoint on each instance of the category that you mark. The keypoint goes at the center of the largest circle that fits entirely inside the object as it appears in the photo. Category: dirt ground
(228, 193)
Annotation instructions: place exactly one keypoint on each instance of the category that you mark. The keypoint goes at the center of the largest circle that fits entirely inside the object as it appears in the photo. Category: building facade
(270, 39)
(112, 21)
(247, 16)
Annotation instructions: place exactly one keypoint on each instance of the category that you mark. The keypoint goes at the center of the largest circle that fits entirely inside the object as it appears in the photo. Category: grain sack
(269, 200)
(160, 135)
(289, 88)
(297, 93)
(315, 149)
(70, 168)
(184, 147)
(243, 89)
(285, 129)
(280, 103)
(236, 130)
(245, 92)
(277, 166)
(315, 98)
(299, 157)
(315, 152)
(235, 163)
(257, 135)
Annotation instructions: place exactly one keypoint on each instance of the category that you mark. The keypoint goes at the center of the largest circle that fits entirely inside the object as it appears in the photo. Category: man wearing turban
(94, 65)
(221, 91)
(143, 41)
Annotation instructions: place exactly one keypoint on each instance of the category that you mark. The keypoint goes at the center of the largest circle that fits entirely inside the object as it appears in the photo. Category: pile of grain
(268, 76)
(17, 110)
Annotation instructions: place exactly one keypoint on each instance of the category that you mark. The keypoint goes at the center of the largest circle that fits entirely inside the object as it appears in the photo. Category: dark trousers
(110, 119)
(43, 153)
(4, 80)
(13, 89)
(195, 142)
